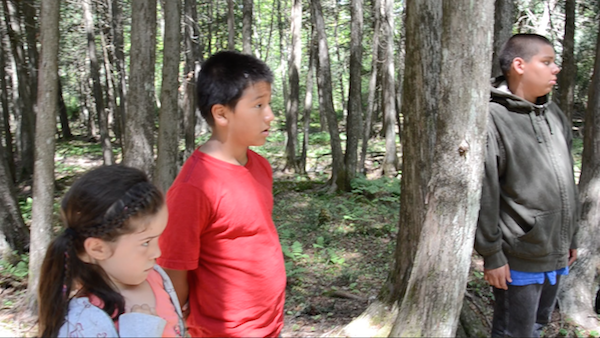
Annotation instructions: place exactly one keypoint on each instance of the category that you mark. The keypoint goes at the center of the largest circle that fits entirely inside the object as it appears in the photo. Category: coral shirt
(220, 229)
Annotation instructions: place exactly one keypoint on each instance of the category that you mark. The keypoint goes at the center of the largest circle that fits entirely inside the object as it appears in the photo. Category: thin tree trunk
(341, 64)
(247, 27)
(62, 112)
(504, 19)
(338, 174)
(97, 86)
(353, 126)
(139, 126)
(116, 27)
(578, 289)
(110, 86)
(25, 91)
(308, 99)
(432, 304)
(168, 140)
(9, 153)
(193, 56)
(372, 84)
(43, 184)
(280, 25)
(390, 161)
(31, 33)
(230, 26)
(566, 77)
(293, 103)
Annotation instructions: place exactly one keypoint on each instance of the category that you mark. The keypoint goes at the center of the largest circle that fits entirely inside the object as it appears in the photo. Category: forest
(377, 145)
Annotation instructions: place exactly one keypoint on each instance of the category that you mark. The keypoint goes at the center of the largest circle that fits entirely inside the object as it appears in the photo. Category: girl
(99, 276)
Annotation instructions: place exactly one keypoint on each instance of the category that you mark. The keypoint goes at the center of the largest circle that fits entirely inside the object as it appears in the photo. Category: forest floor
(338, 247)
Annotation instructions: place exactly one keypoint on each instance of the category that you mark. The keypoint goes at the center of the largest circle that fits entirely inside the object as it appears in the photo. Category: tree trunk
(62, 112)
(31, 32)
(504, 19)
(168, 134)
(282, 50)
(293, 103)
(96, 84)
(25, 91)
(566, 77)
(247, 27)
(13, 232)
(390, 161)
(43, 184)
(308, 100)
(139, 127)
(372, 84)
(338, 174)
(341, 65)
(230, 26)
(109, 81)
(353, 125)
(577, 290)
(116, 27)
(432, 303)
(9, 154)
(193, 57)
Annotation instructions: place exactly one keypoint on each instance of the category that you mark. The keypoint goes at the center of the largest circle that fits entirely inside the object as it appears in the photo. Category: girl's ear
(219, 113)
(95, 250)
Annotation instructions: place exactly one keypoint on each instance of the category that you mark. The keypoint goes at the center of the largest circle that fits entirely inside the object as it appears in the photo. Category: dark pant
(522, 311)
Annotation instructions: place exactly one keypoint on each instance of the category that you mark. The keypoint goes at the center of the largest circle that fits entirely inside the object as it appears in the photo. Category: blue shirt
(520, 278)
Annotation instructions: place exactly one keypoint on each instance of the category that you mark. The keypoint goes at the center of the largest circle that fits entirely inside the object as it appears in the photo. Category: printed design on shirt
(77, 331)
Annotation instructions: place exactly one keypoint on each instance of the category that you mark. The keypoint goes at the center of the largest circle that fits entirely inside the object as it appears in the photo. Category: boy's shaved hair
(523, 46)
(224, 77)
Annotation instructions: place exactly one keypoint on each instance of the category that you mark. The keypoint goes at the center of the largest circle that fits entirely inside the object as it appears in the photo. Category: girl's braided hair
(100, 204)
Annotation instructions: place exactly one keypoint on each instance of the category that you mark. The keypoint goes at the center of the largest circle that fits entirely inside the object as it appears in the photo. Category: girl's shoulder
(84, 319)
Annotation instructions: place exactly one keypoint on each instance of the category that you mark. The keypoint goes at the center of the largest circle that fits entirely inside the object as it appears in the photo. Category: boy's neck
(516, 88)
(224, 151)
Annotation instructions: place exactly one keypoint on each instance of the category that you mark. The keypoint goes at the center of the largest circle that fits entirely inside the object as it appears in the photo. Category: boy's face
(249, 122)
(539, 73)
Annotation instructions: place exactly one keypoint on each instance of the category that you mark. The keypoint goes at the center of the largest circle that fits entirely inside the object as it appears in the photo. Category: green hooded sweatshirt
(529, 203)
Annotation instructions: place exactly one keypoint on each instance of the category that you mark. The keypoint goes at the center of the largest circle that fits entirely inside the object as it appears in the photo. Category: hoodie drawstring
(535, 127)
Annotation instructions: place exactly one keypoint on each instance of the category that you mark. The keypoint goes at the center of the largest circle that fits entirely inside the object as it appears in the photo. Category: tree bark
(28, 8)
(566, 77)
(62, 112)
(247, 27)
(193, 57)
(504, 19)
(168, 135)
(577, 290)
(230, 26)
(338, 174)
(116, 27)
(308, 100)
(354, 119)
(372, 84)
(96, 84)
(25, 92)
(390, 161)
(432, 303)
(43, 184)
(139, 126)
(293, 103)
(9, 154)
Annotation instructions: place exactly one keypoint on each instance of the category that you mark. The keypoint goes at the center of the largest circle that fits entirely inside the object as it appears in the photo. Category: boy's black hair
(524, 46)
(224, 77)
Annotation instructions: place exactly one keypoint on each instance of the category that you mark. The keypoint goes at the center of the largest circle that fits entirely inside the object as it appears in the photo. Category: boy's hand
(498, 277)
(572, 256)
(185, 310)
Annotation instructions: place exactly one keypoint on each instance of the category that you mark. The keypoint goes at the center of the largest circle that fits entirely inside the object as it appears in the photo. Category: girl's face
(134, 255)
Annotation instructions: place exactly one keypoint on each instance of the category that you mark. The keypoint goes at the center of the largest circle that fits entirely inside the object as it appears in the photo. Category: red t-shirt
(221, 230)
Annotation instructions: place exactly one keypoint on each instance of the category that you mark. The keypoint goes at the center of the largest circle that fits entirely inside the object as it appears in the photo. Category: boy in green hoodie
(529, 207)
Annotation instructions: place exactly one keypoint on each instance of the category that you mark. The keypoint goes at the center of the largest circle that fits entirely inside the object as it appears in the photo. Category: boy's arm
(181, 286)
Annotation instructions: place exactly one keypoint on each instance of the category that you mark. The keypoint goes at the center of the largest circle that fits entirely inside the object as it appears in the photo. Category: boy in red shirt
(220, 247)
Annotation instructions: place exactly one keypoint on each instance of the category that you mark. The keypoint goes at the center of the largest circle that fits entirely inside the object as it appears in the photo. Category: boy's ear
(518, 65)
(95, 250)
(219, 113)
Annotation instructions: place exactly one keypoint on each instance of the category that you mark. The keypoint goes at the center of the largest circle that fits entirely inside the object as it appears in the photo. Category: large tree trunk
(354, 120)
(566, 77)
(388, 88)
(43, 184)
(504, 19)
(293, 103)
(247, 27)
(14, 235)
(9, 154)
(116, 27)
(308, 100)
(230, 26)
(168, 134)
(372, 84)
(139, 127)
(25, 92)
(88, 20)
(338, 174)
(577, 290)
